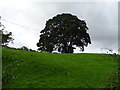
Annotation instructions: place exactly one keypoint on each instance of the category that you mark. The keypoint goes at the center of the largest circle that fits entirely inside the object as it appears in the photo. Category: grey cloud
(101, 19)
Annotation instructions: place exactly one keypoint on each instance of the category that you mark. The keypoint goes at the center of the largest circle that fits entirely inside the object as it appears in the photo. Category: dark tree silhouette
(62, 32)
(6, 36)
(24, 48)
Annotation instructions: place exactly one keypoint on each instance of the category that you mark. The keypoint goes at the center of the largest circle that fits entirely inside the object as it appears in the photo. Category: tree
(62, 32)
(24, 48)
(6, 36)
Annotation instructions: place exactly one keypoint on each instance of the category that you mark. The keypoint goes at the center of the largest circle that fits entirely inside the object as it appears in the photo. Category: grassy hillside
(23, 69)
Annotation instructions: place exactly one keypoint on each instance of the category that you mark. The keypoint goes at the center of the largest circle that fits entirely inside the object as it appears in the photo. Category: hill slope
(23, 69)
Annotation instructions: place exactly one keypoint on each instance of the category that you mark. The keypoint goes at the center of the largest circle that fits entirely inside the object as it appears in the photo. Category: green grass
(23, 69)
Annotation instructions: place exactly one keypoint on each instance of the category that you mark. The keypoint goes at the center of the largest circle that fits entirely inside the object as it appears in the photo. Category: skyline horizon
(102, 21)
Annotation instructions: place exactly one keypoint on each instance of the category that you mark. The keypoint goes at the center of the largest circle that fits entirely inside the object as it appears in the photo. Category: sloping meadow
(25, 69)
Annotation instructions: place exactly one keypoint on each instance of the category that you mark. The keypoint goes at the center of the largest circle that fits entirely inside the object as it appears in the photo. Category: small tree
(6, 36)
(24, 48)
(62, 32)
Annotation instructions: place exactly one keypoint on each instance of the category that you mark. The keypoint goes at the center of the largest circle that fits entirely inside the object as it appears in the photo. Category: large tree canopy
(62, 32)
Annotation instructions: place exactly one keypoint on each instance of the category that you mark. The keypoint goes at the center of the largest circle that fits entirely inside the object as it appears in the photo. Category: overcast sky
(31, 15)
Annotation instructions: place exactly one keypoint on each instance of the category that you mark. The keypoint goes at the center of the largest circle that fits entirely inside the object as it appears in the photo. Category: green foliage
(115, 78)
(51, 70)
(62, 32)
(6, 36)
(24, 48)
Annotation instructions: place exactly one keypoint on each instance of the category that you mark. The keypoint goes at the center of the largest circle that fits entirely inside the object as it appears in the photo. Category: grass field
(23, 69)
